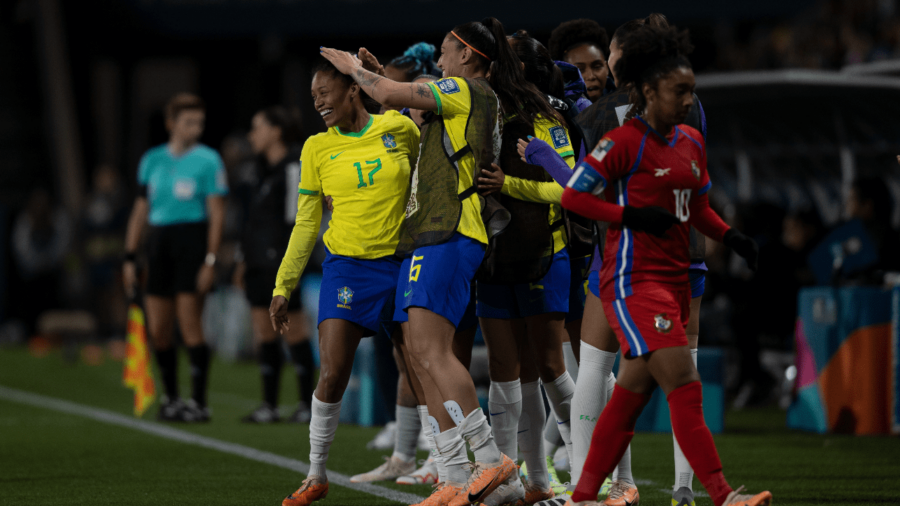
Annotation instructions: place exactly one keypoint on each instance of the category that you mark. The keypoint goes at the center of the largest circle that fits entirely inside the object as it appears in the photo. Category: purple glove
(540, 153)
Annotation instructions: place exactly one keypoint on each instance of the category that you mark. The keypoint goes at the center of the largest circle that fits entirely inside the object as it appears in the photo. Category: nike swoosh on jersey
(337, 155)
(406, 294)
(476, 497)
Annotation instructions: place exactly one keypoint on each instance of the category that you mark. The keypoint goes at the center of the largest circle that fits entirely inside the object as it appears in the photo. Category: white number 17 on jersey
(682, 204)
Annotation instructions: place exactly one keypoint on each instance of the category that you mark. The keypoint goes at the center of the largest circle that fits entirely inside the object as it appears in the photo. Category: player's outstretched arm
(383, 90)
(538, 152)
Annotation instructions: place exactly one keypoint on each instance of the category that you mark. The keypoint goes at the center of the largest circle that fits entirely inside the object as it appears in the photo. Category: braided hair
(418, 59)
(648, 54)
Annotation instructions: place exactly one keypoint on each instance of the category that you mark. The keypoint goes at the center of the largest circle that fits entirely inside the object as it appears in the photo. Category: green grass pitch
(51, 458)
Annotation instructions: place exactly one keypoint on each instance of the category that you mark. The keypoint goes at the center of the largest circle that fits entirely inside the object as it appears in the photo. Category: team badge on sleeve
(560, 139)
(662, 323)
(389, 141)
(345, 297)
(447, 86)
(587, 180)
(602, 149)
(695, 169)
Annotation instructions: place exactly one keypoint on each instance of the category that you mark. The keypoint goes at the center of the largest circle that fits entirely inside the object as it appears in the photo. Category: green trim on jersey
(361, 132)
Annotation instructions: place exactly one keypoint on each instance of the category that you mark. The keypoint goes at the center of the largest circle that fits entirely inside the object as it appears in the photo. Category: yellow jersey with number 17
(367, 176)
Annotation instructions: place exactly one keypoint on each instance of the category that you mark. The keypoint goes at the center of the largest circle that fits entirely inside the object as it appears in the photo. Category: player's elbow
(569, 199)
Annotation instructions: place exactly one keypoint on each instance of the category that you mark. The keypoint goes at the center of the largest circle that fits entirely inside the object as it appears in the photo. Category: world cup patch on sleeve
(602, 148)
(447, 86)
(560, 139)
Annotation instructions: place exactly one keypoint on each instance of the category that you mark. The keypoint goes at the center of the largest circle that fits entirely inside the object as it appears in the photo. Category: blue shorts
(697, 276)
(594, 283)
(440, 277)
(577, 288)
(398, 315)
(356, 290)
(549, 295)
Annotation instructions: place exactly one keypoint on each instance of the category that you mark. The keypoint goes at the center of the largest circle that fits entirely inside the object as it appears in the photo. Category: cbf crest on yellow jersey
(367, 176)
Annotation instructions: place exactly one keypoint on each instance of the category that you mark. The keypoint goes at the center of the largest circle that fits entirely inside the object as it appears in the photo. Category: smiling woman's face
(590, 61)
(331, 98)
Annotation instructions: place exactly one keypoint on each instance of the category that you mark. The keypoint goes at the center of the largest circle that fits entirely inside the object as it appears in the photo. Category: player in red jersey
(652, 172)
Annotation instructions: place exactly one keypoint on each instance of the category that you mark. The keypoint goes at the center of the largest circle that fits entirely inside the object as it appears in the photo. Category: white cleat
(509, 492)
(561, 459)
(425, 475)
(390, 470)
(384, 440)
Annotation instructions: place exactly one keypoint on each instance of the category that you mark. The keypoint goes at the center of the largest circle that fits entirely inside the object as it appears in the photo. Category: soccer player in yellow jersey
(440, 274)
(363, 162)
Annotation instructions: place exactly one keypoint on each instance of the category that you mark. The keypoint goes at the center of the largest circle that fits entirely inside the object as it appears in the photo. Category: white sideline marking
(156, 429)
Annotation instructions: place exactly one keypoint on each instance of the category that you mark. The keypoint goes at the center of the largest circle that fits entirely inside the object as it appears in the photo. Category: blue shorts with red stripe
(654, 316)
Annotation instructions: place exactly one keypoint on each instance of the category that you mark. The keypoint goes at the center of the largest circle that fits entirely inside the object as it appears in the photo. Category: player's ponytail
(517, 96)
(648, 54)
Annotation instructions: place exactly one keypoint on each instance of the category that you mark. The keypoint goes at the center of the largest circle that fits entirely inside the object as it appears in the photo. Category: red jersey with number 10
(641, 168)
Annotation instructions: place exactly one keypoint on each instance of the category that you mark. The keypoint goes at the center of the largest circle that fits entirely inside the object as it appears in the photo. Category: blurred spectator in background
(869, 201)
(267, 230)
(41, 238)
(104, 222)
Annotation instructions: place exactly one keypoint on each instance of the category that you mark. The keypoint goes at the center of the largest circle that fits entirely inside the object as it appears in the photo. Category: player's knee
(331, 385)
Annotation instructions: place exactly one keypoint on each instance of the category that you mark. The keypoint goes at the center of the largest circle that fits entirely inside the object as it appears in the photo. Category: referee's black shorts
(259, 281)
(175, 254)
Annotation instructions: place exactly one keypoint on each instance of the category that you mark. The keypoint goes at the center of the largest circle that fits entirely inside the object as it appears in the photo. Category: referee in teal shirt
(182, 188)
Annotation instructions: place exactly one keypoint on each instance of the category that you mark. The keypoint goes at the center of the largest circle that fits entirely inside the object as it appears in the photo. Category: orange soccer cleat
(444, 492)
(534, 495)
(485, 479)
(622, 494)
(735, 498)
(312, 489)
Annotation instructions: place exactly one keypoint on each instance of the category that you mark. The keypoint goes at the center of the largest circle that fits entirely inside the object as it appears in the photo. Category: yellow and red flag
(138, 371)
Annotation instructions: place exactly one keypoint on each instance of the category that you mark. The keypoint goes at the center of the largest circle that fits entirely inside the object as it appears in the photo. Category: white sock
(684, 475)
(552, 439)
(560, 392)
(322, 426)
(408, 427)
(429, 436)
(571, 362)
(505, 405)
(453, 451)
(475, 430)
(588, 401)
(530, 436)
(623, 470)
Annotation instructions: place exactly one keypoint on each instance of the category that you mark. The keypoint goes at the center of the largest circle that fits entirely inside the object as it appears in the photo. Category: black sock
(270, 362)
(199, 356)
(168, 368)
(302, 356)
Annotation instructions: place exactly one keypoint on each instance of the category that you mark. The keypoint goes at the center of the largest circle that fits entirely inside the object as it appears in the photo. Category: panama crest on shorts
(662, 323)
(345, 297)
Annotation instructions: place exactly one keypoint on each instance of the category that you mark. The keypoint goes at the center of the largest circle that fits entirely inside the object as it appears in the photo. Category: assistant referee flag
(138, 373)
